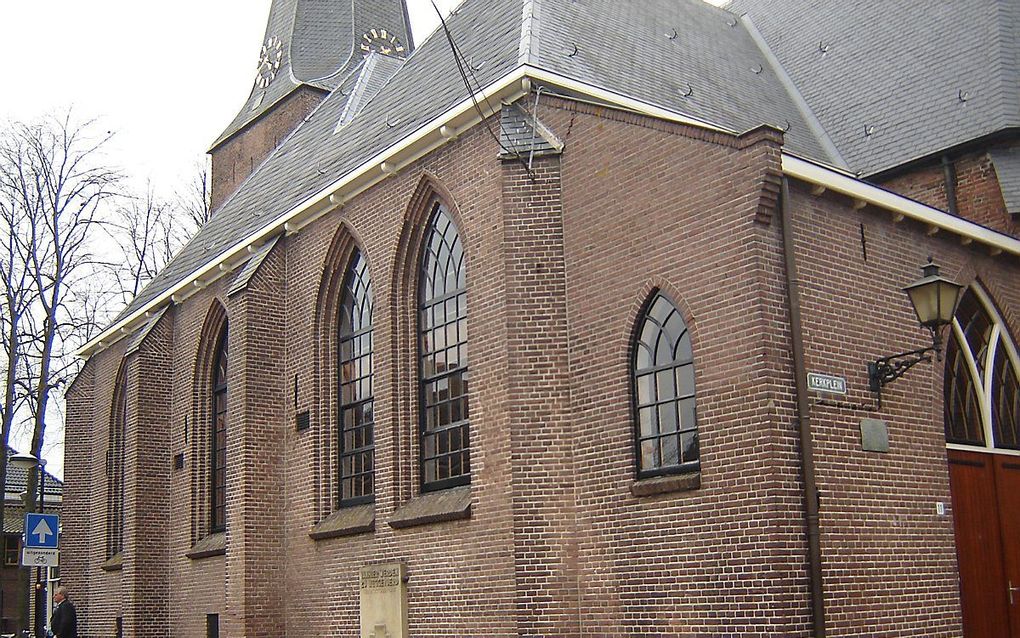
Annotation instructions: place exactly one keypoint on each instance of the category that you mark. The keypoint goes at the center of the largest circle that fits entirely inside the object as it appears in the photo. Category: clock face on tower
(269, 62)
(381, 41)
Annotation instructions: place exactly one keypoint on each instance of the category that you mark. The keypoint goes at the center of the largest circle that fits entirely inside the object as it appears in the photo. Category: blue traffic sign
(41, 530)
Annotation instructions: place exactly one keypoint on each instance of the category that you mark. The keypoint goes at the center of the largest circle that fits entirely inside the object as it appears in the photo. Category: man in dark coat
(63, 622)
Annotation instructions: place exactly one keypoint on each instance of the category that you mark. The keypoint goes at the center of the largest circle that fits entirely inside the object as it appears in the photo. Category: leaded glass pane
(1005, 402)
(218, 446)
(962, 413)
(443, 351)
(115, 470)
(356, 427)
(664, 391)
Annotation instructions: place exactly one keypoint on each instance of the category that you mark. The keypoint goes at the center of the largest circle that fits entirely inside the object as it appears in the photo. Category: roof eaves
(829, 178)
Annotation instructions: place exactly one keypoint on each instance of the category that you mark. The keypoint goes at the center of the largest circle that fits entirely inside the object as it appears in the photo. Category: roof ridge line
(529, 23)
(791, 89)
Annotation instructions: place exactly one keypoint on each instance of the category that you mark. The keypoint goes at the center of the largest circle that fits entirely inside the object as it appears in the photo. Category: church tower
(310, 47)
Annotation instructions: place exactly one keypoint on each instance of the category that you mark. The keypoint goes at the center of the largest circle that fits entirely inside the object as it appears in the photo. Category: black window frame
(116, 474)
(681, 467)
(357, 279)
(220, 388)
(428, 306)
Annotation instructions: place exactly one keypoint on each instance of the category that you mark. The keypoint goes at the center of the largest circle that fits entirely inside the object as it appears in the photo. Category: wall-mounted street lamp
(934, 298)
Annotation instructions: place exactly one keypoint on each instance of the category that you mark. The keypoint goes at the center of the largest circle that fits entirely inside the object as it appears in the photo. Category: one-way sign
(41, 530)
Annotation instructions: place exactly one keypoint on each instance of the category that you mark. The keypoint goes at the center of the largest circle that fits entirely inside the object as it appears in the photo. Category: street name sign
(40, 557)
(826, 383)
(41, 531)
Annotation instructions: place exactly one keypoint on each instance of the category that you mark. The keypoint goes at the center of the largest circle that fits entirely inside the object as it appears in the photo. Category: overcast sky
(166, 77)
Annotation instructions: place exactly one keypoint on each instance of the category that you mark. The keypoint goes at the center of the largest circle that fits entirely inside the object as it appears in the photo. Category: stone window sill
(434, 507)
(346, 521)
(666, 484)
(114, 564)
(211, 545)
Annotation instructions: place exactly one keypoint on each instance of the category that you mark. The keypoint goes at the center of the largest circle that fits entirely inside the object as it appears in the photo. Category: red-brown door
(1007, 484)
(986, 517)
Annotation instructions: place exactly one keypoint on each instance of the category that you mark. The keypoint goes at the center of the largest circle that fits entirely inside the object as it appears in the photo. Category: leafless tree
(53, 178)
(143, 229)
(193, 200)
(18, 299)
(149, 230)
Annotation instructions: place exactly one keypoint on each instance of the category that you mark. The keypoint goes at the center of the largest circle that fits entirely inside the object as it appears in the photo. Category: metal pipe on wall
(811, 497)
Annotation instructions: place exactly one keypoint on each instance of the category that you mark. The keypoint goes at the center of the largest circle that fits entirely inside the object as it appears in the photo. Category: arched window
(666, 430)
(442, 325)
(218, 440)
(115, 468)
(357, 439)
(982, 392)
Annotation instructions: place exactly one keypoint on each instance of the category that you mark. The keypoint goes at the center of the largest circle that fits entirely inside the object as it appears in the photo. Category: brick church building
(563, 317)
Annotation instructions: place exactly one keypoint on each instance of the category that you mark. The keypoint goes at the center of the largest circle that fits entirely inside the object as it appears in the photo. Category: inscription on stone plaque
(384, 601)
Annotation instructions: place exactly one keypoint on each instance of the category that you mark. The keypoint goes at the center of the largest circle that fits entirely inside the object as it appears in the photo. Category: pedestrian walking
(64, 621)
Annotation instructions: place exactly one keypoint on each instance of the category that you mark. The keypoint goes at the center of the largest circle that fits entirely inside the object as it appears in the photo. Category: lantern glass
(24, 461)
(934, 297)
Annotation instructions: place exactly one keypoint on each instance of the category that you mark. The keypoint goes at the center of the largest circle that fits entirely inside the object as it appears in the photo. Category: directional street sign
(41, 530)
(35, 557)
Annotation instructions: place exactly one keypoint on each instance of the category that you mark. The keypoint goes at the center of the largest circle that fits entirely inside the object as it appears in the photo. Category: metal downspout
(807, 451)
(949, 175)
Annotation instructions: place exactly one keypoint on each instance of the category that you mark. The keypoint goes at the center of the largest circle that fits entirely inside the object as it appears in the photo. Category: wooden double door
(986, 516)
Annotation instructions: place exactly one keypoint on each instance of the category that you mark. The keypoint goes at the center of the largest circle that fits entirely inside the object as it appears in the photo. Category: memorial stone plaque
(384, 601)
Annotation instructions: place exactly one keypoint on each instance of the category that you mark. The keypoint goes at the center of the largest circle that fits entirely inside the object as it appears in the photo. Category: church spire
(317, 43)
(309, 48)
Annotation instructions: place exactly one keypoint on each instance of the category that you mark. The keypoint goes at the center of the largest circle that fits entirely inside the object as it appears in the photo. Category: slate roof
(711, 69)
(521, 135)
(896, 80)
(683, 55)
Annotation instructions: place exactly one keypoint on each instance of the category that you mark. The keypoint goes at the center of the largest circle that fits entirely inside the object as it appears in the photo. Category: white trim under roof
(837, 181)
(462, 116)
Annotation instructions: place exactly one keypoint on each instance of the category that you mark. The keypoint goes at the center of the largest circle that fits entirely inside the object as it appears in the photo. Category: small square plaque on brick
(874, 435)
(384, 601)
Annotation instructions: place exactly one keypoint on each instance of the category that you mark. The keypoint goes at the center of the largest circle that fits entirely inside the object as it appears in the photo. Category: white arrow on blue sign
(41, 530)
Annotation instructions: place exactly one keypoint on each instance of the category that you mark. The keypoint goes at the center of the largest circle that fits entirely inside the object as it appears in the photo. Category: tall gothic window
(357, 440)
(218, 442)
(666, 430)
(115, 469)
(982, 392)
(442, 324)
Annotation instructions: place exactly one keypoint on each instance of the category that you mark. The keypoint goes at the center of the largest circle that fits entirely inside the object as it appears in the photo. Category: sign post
(41, 541)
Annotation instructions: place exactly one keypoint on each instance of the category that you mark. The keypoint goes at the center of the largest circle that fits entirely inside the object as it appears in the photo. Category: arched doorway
(982, 421)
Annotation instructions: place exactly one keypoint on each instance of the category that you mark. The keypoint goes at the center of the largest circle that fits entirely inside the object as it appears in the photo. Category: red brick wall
(978, 196)
(237, 158)
(78, 517)
(146, 575)
(557, 544)
(651, 206)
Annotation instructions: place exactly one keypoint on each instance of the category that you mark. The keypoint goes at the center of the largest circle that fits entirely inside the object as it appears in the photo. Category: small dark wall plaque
(874, 435)
(303, 421)
(179, 461)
